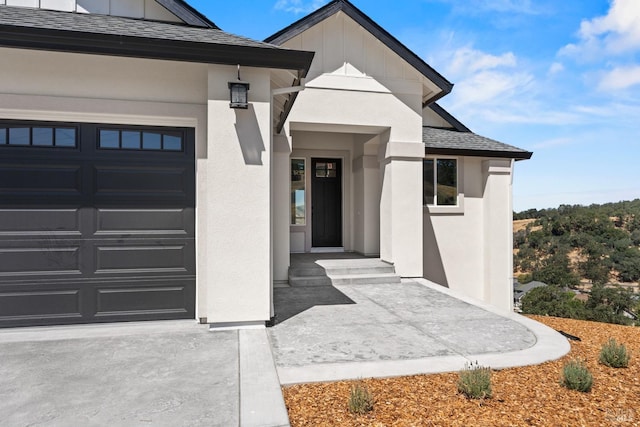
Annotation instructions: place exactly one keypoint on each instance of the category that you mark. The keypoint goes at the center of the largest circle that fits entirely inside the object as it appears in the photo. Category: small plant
(576, 376)
(614, 355)
(474, 381)
(360, 399)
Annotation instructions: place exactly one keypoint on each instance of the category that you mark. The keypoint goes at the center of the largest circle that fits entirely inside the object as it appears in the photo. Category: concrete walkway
(328, 333)
(178, 373)
(173, 373)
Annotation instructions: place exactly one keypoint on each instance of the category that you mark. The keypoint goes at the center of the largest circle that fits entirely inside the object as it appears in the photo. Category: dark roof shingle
(120, 26)
(451, 141)
(29, 28)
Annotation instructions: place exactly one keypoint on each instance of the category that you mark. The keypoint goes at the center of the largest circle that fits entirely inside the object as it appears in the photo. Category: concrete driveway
(173, 373)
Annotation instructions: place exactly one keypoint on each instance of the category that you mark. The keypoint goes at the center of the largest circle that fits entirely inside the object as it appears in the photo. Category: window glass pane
(172, 142)
(66, 137)
(130, 140)
(297, 192)
(3, 136)
(428, 189)
(19, 136)
(151, 141)
(109, 139)
(447, 190)
(42, 136)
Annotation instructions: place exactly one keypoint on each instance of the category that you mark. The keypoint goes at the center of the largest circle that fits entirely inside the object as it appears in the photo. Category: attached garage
(97, 223)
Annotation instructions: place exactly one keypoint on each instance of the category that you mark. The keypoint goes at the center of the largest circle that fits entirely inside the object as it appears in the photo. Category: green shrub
(474, 381)
(576, 376)
(614, 355)
(360, 399)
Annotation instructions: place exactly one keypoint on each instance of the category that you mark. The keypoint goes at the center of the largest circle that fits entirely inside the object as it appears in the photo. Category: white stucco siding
(470, 251)
(343, 47)
(430, 118)
(143, 9)
(237, 266)
(102, 77)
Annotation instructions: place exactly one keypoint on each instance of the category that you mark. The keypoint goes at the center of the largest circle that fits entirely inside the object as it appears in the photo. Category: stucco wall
(232, 152)
(469, 250)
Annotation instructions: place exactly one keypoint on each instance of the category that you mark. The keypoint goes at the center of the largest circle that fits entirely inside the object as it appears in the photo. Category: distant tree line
(599, 243)
(604, 238)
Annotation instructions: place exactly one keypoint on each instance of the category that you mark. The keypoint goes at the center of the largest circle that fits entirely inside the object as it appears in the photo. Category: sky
(559, 78)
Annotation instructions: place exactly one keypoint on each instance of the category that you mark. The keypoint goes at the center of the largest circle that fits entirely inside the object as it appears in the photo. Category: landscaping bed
(527, 396)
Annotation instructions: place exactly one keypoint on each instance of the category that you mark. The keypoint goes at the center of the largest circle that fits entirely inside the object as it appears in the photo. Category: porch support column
(281, 205)
(238, 211)
(401, 215)
(498, 233)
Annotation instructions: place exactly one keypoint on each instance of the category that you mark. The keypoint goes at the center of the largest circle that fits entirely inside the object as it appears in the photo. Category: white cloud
(298, 6)
(469, 60)
(615, 33)
(620, 78)
(556, 68)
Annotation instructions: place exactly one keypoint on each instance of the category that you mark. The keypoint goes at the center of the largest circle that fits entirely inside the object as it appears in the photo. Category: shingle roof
(451, 141)
(120, 26)
(112, 35)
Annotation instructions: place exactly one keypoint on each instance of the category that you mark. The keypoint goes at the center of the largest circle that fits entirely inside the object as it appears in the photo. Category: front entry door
(326, 202)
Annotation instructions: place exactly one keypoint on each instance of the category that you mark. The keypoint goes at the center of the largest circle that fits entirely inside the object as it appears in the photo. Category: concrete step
(364, 279)
(309, 281)
(379, 269)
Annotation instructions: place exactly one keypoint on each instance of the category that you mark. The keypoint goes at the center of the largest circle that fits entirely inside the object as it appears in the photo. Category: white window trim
(449, 209)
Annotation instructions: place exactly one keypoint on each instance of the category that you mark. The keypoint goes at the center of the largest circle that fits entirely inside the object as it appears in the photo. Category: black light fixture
(239, 93)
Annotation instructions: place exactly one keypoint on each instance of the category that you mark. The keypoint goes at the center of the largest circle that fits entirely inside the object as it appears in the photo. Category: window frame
(306, 172)
(31, 126)
(121, 130)
(459, 206)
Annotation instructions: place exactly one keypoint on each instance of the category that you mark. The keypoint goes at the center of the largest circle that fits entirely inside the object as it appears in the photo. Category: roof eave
(140, 47)
(187, 13)
(516, 155)
(376, 30)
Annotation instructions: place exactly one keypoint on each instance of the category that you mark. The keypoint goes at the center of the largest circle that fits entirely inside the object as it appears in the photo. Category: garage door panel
(149, 259)
(95, 235)
(27, 304)
(136, 300)
(128, 183)
(172, 222)
(22, 180)
(39, 222)
(39, 258)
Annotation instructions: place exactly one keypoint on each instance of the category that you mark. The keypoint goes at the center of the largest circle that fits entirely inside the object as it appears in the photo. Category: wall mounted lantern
(239, 93)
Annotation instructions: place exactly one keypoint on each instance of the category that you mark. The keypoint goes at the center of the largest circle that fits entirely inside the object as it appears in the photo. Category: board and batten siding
(143, 9)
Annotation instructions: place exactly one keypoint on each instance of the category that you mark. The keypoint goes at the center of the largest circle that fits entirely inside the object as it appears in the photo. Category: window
(298, 209)
(20, 135)
(132, 139)
(440, 182)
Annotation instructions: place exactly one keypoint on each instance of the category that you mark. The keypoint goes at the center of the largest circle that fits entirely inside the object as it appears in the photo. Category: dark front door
(97, 223)
(326, 201)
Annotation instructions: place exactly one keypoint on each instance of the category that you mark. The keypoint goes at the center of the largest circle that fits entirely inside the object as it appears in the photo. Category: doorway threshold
(325, 250)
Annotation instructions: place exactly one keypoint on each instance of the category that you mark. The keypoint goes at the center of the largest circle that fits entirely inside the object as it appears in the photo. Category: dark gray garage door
(96, 223)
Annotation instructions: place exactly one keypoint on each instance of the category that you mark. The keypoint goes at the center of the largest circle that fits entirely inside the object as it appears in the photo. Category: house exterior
(131, 190)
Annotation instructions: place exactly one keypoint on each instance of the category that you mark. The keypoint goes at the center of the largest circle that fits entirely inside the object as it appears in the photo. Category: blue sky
(559, 78)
